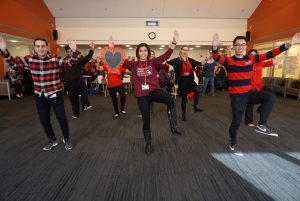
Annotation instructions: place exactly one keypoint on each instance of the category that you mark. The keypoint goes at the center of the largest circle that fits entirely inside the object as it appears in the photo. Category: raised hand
(110, 42)
(92, 46)
(72, 45)
(2, 44)
(216, 41)
(295, 38)
(175, 36)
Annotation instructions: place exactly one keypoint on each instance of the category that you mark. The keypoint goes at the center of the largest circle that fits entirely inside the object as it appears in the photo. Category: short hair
(67, 47)
(253, 50)
(139, 47)
(238, 38)
(42, 39)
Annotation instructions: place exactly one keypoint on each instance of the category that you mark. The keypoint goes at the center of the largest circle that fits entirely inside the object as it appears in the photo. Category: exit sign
(152, 23)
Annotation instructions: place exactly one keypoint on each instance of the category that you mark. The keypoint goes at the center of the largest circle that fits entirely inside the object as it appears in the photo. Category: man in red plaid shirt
(46, 70)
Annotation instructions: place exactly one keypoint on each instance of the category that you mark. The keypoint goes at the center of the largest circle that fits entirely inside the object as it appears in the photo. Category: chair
(101, 80)
(5, 89)
(127, 83)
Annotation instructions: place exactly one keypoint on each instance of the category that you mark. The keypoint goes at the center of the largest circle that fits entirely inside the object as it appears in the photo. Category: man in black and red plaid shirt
(46, 70)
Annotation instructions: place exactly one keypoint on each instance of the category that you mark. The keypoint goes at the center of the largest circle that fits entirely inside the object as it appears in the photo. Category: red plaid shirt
(45, 72)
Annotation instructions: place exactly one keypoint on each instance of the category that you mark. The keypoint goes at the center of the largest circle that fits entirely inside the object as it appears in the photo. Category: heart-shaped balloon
(113, 58)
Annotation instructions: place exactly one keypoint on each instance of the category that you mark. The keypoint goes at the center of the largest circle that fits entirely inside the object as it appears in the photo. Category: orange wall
(28, 19)
(274, 19)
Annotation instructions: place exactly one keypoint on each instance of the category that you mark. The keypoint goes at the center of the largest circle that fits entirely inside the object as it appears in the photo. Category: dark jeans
(43, 106)
(157, 95)
(249, 108)
(187, 85)
(113, 94)
(75, 88)
(238, 106)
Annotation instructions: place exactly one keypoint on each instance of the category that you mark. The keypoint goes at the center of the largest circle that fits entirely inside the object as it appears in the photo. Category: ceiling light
(127, 45)
(191, 48)
(62, 45)
(13, 41)
(197, 46)
(99, 48)
(162, 46)
(130, 48)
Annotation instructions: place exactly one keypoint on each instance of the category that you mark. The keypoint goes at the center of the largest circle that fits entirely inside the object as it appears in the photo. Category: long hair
(138, 49)
(180, 54)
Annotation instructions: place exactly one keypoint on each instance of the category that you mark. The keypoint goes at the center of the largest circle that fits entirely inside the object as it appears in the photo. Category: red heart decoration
(113, 58)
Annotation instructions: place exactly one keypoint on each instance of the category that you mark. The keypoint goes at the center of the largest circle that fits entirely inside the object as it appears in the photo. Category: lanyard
(145, 75)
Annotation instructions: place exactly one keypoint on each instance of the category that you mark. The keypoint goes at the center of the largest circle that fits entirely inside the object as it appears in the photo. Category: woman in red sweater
(114, 86)
(147, 88)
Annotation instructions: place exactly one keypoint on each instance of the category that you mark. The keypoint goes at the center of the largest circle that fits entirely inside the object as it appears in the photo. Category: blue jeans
(212, 82)
(43, 105)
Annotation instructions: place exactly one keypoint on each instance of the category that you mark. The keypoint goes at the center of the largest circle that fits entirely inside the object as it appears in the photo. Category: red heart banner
(113, 58)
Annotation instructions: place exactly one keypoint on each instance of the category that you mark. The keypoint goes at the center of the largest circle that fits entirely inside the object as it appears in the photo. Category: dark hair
(42, 39)
(238, 38)
(138, 49)
(253, 50)
(67, 47)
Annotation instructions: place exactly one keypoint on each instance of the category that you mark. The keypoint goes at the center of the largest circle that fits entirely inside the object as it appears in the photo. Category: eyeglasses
(240, 45)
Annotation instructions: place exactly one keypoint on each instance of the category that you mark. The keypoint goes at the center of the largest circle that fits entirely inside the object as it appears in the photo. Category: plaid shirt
(45, 72)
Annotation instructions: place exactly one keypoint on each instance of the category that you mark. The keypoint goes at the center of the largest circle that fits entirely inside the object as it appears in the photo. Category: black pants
(249, 108)
(113, 94)
(76, 87)
(157, 95)
(238, 105)
(18, 87)
(43, 106)
(187, 85)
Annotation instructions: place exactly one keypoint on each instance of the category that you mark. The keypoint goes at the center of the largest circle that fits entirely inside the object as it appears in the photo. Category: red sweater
(114, 76)
(256, 80)
(240, 70)
(146, 71)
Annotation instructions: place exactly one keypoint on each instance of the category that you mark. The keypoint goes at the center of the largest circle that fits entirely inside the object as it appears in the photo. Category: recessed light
(99, 48)
(191, 48)
(197, 46)
(13, 41)
(127, 45)
(162, 46)
(62, 45)
(130, 48)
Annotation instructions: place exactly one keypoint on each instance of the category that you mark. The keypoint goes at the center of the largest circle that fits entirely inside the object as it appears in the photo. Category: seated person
(15, 80)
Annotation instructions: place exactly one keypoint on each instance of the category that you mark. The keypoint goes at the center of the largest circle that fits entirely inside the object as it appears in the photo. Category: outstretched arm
(88, 57)
(11, 61)
(73, 60)
(162, 58)
(215, 51)
(273, 53)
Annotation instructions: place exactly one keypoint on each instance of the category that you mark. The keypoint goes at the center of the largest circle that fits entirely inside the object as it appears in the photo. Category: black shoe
(116, 115)
(235, 150)
(183, 117)
(197, 109)
(148, 149)
(75, 116)
(173, 122)
(68, 145)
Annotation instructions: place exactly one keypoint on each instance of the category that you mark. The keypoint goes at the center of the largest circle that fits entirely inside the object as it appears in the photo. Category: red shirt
(186, 68)
(114, 76)
(145, 72)
(256, 80)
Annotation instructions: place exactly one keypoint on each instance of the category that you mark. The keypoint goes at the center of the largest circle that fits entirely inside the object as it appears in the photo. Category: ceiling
(224, 9)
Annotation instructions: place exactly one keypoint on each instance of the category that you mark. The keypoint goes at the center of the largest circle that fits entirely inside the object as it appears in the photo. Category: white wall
(134, 31)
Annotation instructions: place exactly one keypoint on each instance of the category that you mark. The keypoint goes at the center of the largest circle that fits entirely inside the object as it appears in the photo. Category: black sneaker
(50, 145)
(148, 149)
(197, 109)
(235, 150)
(264, 129)
(68, 145)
